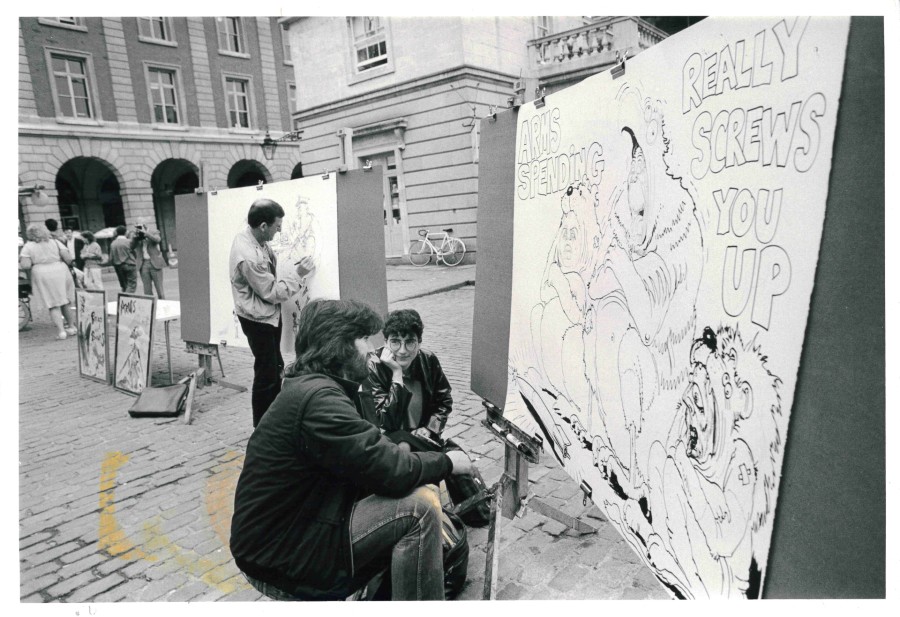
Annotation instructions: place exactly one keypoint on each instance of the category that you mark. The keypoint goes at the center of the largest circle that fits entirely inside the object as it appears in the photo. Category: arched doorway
(170, 178)
(297, 172)
(248, 173)
(89, 194)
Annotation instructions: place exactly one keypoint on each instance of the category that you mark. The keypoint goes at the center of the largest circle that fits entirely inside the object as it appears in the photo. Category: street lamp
(269, 145)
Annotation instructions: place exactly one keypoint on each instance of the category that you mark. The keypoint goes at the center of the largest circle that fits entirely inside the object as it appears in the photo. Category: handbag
(459, 487)
(455, 539)
(162, 402)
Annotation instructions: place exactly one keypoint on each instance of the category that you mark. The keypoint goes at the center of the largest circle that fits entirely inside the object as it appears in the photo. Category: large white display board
(666, 234)
(309, 228)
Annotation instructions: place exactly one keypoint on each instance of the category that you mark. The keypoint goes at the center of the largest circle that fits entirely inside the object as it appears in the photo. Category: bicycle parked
(450, 251)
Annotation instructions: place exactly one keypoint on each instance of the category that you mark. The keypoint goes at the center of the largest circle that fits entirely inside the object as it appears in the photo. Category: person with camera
(258, 288)
(324, 500)
(148, 258)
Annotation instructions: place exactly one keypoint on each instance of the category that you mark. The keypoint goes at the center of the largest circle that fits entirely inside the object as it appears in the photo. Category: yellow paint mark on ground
(219, 501)
(113, 539)
(220, 495)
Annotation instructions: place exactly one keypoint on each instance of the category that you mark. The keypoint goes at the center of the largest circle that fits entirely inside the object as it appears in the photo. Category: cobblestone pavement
(119, 509)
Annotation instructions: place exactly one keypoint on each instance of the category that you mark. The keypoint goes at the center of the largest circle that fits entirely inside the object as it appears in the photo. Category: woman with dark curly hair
(51, 280)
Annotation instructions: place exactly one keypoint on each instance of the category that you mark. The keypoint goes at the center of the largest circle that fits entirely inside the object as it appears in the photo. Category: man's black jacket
(311, 457)
(391, 398)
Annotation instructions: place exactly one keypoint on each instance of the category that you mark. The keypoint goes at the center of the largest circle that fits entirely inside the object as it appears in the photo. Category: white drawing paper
(309, 228)
(666, 235)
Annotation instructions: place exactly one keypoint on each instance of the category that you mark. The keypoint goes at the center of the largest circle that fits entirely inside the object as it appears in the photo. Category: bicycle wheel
(419, 253)
(24, 314)
(454, 253)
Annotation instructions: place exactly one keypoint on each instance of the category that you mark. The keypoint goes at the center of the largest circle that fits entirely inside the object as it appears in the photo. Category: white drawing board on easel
(675, 224)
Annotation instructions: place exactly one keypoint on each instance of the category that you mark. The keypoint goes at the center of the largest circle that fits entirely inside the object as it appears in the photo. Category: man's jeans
(405, 533)
(127, 277)
(265, 343)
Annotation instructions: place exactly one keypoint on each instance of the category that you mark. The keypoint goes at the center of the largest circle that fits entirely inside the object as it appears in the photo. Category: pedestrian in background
(122, 259)
(48, 260)
(55, 232)
(258, 292)
(148, 258)
(75, 243)
(92, 256)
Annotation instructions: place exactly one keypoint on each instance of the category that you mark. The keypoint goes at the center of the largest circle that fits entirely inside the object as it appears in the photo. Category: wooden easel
(509, 496)
(205, 353)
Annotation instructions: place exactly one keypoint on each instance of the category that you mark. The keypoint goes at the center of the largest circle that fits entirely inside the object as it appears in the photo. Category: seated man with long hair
(324, 500)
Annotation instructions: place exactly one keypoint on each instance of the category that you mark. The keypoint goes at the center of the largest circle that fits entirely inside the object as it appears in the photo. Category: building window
(155, 28)
(286, 45)
(292, 97)
(231, 34)
(71, 23)
(369, 42)
(544, 26)
(72, 90)
(164, 95)
(237, 97)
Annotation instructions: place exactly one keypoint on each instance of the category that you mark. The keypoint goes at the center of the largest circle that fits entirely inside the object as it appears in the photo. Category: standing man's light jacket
(255, 286)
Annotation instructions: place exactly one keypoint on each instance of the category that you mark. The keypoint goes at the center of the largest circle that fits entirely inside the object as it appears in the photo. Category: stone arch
(89, 193)
(297, 171)
(248, 172)
(171, 177)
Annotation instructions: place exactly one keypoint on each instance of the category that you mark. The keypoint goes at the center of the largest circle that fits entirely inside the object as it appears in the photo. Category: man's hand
(387, 357)
(305, 266)
(462, 466)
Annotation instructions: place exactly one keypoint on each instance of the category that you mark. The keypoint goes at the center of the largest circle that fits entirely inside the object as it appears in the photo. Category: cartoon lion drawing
(713, 485)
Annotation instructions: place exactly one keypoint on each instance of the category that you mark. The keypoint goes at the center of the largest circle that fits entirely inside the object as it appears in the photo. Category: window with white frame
(286, 44)
(292, 97)
(67, 21)
(70, 23)
(72, 89)
(163, 85)
(155, 28)
(544, 26)
(231, 34)
(369, 42)
(237, 98)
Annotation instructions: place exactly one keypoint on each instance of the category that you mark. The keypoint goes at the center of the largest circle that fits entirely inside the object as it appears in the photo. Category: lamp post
(269, 145)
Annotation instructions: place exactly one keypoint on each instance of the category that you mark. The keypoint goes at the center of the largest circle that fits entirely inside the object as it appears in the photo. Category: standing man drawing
(258, 291)
(148, 258)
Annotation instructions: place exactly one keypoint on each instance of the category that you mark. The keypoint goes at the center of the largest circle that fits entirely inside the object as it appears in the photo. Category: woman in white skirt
(92, 255)
(51, 279)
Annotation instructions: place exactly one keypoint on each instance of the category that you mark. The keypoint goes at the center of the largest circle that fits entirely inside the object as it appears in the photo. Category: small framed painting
(134, 342)
(93, 344)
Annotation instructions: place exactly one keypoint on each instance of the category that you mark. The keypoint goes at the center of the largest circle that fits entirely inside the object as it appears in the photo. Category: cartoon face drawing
(571, 243)
(638, 192)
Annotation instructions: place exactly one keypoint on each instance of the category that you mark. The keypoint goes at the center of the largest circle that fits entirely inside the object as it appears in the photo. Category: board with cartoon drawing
(675, 215)
(309, 228)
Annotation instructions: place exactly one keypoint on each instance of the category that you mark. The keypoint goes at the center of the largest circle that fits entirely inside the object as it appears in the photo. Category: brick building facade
(118, 115)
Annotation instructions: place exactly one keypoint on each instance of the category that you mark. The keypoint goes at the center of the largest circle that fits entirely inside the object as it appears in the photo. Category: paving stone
(88, 592)
(554, 528)
(568, 577)
(511, 591)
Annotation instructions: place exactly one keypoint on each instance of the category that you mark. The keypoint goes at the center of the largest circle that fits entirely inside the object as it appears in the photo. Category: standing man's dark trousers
(149, 275)
(127, 277)
(265, 343)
